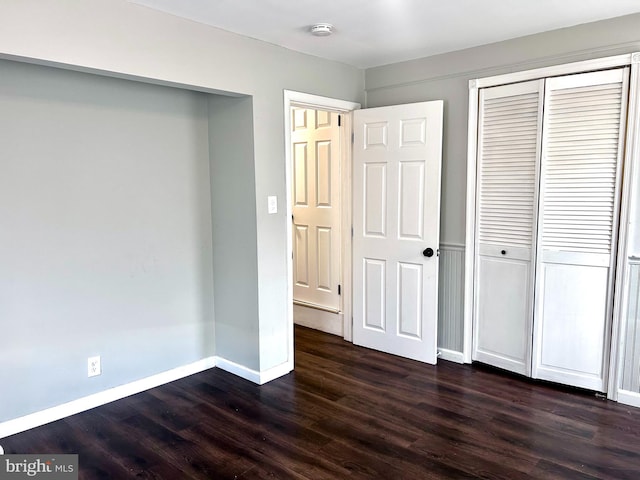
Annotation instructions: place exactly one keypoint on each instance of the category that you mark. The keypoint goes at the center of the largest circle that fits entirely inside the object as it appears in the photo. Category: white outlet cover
(93, 366)
(272, 204)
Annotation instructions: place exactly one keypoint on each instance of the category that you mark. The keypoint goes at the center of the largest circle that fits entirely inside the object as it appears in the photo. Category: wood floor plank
(132, 455)
(347, 412)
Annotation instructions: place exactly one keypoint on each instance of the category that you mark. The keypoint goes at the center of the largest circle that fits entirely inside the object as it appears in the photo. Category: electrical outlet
(94, 367)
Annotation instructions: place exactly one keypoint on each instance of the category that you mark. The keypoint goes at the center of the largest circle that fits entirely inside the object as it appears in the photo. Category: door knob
(428, 252)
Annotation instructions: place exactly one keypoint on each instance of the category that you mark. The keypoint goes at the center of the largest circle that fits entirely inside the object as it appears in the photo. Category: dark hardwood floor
(350, 413)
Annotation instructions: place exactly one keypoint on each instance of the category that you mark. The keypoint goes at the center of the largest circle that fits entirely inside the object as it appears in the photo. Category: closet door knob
(504, 252)
(428, 252)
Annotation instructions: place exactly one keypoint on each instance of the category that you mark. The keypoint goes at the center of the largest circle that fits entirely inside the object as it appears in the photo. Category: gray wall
(447, 77)
(152, 262)
(120, 39)
(105, 247)
(233, 205)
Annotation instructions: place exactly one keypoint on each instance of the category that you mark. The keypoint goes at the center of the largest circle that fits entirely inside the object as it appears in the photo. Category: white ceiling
(377, 32)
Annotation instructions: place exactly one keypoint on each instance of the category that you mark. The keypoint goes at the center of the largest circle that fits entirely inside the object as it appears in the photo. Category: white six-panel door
(315, 148)
(396, 215)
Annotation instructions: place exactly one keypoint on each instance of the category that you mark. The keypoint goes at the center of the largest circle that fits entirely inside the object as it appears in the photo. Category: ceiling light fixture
(322, 29)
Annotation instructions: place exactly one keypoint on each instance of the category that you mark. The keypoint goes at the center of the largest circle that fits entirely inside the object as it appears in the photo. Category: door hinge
(352, 137)
(339, 120)
(351, 232)
(339, 289)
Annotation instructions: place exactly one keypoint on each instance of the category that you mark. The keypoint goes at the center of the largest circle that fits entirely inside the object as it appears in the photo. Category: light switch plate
(272, 204)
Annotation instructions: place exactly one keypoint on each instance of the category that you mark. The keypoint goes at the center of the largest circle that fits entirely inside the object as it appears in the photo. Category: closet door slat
(501, 173)
(597, 173)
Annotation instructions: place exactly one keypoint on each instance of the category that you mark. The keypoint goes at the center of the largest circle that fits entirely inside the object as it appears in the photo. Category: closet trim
(472, 142)
(553, 71)
(624, 259)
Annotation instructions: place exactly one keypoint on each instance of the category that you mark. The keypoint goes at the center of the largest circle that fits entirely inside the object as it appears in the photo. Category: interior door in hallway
(316, 210)
(397, 156)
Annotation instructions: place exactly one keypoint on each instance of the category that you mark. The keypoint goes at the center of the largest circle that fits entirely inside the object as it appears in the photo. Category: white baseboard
(253, 375)
(20, 424)
(275, 372)
(27, 422)
(451, 355)
(629, 398)
(239, 370)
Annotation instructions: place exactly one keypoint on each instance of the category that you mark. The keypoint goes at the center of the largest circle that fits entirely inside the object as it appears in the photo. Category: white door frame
(299, 99)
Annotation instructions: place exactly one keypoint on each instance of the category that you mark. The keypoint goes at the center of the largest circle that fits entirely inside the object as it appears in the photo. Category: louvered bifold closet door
(509, 126)
(583, 134)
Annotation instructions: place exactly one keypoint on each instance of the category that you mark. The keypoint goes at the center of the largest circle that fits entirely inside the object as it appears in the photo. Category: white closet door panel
(574, 258)
(514, 253)
(502, 333)
(580, 174)
(508, 152)
(572, 325)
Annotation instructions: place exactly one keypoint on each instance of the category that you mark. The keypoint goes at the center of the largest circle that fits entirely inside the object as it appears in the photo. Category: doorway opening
(390, 186)
(318, 166)
(316, 218)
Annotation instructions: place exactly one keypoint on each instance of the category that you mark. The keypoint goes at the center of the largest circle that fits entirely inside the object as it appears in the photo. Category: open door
(316, 208)
(316, 140)
(397, 156)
